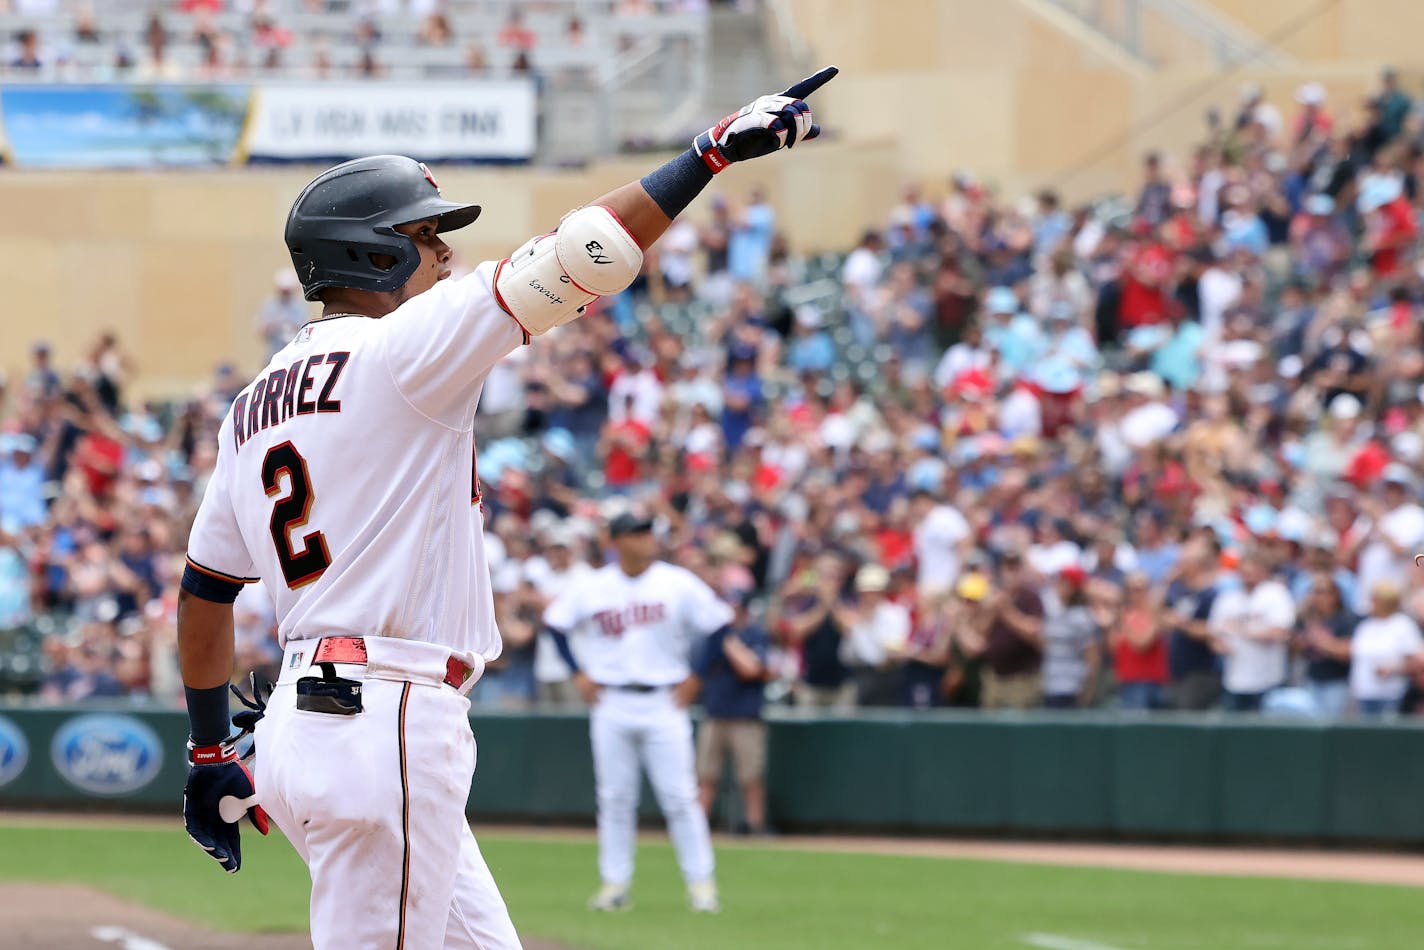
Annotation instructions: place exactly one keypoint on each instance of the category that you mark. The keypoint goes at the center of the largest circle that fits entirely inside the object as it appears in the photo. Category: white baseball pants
(375, 805)
(630, 732)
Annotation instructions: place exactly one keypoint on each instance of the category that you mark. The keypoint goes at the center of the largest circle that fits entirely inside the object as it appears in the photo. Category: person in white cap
(1396, 533)
(874, 631)
(1312, 122)
(283, 313)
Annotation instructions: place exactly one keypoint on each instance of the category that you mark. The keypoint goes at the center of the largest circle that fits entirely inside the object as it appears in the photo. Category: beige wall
(178, 263)
(1022, 94)
(1378, 31)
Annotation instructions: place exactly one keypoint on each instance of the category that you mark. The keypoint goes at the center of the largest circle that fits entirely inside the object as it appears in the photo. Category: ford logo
(14, 752)
(107, 754)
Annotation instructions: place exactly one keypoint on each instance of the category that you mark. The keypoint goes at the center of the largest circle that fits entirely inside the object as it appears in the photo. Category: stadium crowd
(1164, 452)
(220, 40)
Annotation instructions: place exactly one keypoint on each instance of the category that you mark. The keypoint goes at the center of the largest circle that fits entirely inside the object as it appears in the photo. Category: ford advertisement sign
(14, 752)
(106, 754)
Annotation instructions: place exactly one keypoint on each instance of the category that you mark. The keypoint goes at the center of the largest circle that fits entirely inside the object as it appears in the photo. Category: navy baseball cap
(629, 523)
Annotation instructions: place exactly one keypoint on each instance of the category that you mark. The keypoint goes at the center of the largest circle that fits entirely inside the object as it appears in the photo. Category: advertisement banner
(121, 126)
(487, 120)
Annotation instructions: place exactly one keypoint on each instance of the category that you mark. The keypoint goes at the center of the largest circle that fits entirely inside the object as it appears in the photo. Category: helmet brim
(452, 216)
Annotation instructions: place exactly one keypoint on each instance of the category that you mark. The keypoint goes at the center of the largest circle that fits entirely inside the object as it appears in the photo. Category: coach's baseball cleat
(611, 897)
(703, 898)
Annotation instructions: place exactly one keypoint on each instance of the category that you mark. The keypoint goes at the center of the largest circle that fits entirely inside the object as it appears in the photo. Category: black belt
(633, 687)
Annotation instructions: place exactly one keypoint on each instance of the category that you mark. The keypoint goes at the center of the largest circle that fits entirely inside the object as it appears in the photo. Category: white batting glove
(763, 126)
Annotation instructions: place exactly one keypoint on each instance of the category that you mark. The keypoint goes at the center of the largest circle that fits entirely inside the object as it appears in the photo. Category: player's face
(640, 546)
(434, 257)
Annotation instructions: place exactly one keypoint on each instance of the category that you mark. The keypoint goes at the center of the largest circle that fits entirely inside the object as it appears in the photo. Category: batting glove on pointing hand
(763, 125)
(219, 792)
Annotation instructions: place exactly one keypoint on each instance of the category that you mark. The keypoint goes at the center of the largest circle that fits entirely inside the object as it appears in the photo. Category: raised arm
(765, 125)
(597, 250)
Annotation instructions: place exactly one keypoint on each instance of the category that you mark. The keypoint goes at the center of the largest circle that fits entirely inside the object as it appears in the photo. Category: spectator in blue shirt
(811, 349)
(734, 673)
(1194, 680)
(21, 483)
(1015, 335)
(749, 247)
(742, 396)
(1323, 633)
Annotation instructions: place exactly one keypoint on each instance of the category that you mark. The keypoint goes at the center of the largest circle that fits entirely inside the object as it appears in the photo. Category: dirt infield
(64, 917)
(1360, 867)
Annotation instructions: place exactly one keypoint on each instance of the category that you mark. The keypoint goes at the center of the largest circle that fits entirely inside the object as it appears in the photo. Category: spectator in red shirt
(1139, 649)
(623, 446)
(1145, 280)
(1313, 122)
(1390, 224)
(515, 35)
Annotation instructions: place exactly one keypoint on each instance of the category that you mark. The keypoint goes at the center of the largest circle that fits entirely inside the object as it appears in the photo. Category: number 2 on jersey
(298, 567)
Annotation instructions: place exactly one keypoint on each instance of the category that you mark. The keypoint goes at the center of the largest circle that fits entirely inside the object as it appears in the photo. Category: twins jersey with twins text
(638, 630)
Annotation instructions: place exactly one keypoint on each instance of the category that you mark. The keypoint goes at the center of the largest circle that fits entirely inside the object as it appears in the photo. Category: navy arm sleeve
(561, 643)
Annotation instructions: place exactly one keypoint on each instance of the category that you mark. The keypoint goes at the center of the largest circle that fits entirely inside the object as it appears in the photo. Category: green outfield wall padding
(1207, 776)
(1163, 778)
(961, 776)
(1271, 781)
(1374, 783)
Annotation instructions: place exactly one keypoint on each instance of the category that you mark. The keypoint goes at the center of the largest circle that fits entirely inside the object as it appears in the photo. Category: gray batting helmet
(349, 213)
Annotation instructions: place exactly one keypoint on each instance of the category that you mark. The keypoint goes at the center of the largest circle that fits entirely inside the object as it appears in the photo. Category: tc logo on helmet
(429, 177)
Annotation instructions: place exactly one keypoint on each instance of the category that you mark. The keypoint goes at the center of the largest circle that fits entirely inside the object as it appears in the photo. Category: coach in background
(733, 667)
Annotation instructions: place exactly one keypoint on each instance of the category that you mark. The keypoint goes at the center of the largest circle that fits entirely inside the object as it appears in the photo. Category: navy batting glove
(218, 793)
(762, 126)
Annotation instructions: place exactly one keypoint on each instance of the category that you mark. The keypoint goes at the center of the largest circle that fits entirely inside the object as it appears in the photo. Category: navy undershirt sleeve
(674, 185)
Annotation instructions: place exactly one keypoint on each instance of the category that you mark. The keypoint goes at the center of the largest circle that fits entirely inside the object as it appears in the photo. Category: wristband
(215, 754)
(673, 186)
(208, 714)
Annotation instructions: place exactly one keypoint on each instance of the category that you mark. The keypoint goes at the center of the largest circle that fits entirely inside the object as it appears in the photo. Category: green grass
(773, 897)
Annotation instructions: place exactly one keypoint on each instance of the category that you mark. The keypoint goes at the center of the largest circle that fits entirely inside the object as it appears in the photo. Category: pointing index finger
(802, 89)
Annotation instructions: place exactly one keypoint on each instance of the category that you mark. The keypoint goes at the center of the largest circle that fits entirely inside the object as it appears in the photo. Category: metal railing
(1136, 26)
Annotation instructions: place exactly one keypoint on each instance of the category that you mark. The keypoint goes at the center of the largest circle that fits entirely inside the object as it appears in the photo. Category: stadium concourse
(214, 40)
(1163, 451)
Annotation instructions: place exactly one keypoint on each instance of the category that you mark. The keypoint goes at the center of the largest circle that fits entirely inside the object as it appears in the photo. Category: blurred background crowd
(214, 40)
(1158, 452)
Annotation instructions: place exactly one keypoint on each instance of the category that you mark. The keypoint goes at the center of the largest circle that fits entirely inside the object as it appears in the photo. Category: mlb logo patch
(296, 660)
(304, 335)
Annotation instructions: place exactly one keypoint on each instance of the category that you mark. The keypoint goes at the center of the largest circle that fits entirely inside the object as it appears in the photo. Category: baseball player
(344, 483)
(638, 622)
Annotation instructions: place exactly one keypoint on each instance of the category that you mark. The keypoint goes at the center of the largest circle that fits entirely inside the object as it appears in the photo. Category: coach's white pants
(375, 805)
(632, 731)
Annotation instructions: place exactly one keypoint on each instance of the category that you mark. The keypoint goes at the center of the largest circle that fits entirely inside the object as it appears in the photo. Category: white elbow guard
(551, 279)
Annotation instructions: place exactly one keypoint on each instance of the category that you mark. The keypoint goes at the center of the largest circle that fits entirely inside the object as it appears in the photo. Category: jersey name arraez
(638, 630)
(286, 392)
(343, 477)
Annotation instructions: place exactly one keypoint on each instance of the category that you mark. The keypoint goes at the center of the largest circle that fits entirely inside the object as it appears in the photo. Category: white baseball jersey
(637, 630)
(345, 473)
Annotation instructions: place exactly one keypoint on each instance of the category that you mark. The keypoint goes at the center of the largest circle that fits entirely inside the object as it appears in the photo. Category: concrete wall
(1022, 94)
(1378, 31)
(178, 263)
